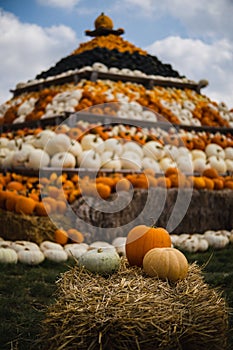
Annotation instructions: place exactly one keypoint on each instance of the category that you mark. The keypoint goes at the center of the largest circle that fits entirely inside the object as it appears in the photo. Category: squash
(8, 256)
(100, 261)
(166, 263)
(57, 256)
(30, 257)
(141, 239)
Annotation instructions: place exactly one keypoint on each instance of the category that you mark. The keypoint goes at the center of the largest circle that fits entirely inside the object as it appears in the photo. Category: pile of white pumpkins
(58, 150)
(30, 253)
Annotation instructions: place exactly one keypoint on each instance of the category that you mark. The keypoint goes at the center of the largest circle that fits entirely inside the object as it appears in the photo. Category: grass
(26, 291)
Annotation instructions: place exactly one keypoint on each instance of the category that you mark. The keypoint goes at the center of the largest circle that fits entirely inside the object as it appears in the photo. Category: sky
(195, 37)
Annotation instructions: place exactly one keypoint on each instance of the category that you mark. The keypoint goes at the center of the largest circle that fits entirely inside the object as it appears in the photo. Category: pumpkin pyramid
(107, 69)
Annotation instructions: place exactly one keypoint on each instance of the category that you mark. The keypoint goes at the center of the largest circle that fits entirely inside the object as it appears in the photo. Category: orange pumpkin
(141, 239)
(42, 209)
(75, 235)
(61, 236)
(25, 205)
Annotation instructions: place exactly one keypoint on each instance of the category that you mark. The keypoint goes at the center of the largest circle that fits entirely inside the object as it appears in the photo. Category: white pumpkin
(131, 146)
(203, 245)
(92, 142)
(190, 244)
(8, 256)
(101, 244)
(75, 148)
(89, 159)
(198, 154)
(153, 149)
(30, 257)
(21, 245)
(213, 149)
(3, 142)
(5, 244)
(130, 160)
(166, 163)
(75, 250)
(63, 160)
(174, 238)
(171, 151)
(4, 152)
(100, 261)
(150, 163)
(199, 165)
(110, 160)
(217, 163)
(100, 67)
(50, 245)
(184, 164)
(113, 145)
(59, 143)
(119, 244)
(216, 239)
(37, 158)
(42, 138)
(21, 156)
(229, 164)
(56, 255)
(229, 152)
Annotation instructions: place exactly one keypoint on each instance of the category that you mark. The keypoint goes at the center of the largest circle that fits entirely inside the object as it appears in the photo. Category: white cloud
(198, 60)
(206, 19)
(27, 49)
(59, 3)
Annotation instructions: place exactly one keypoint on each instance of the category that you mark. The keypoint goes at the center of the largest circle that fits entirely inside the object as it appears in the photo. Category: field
(26, 291)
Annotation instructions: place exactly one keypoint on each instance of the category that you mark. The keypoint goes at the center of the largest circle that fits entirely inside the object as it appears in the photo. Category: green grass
(26, 291)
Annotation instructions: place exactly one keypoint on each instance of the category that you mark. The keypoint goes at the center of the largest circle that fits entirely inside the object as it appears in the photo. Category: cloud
(27, 49)
(199, 18)
(198, 60)
(59, 3)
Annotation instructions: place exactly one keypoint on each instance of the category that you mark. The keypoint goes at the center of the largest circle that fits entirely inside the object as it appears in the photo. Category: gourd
(119, 244)
(131, 160)
(50, 245)
(190, 244)
(37, 158)
(165, 263)
(100, 261)
(56, 256)
(214, 149)
(59, 143)
(141, 239)
(89, 159)
(110, 160)
(101, 245)
(113, 145)
(153, 149)
(8, 256)
(75, 250)
(63, 160)
(30, 257)
(92, 142)
(216, 239)
(21, 245)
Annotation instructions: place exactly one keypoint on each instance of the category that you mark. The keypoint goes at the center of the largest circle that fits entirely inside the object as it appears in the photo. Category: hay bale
(31, 228)
(129, 310)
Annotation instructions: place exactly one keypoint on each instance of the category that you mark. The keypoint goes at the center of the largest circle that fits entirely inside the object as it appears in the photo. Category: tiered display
(107, 119)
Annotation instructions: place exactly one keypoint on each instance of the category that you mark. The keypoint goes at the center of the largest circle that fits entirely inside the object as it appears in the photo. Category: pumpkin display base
(206, 209)
(30, 228)
(129, 310)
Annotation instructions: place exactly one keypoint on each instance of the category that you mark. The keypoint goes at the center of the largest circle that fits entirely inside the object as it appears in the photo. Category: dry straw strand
(129, 310)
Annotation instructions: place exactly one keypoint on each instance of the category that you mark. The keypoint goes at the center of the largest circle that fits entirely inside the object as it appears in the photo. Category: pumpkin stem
(153, 223)
(99, 250)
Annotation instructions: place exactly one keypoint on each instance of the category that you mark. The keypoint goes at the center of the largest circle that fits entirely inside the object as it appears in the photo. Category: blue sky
(196, 38)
